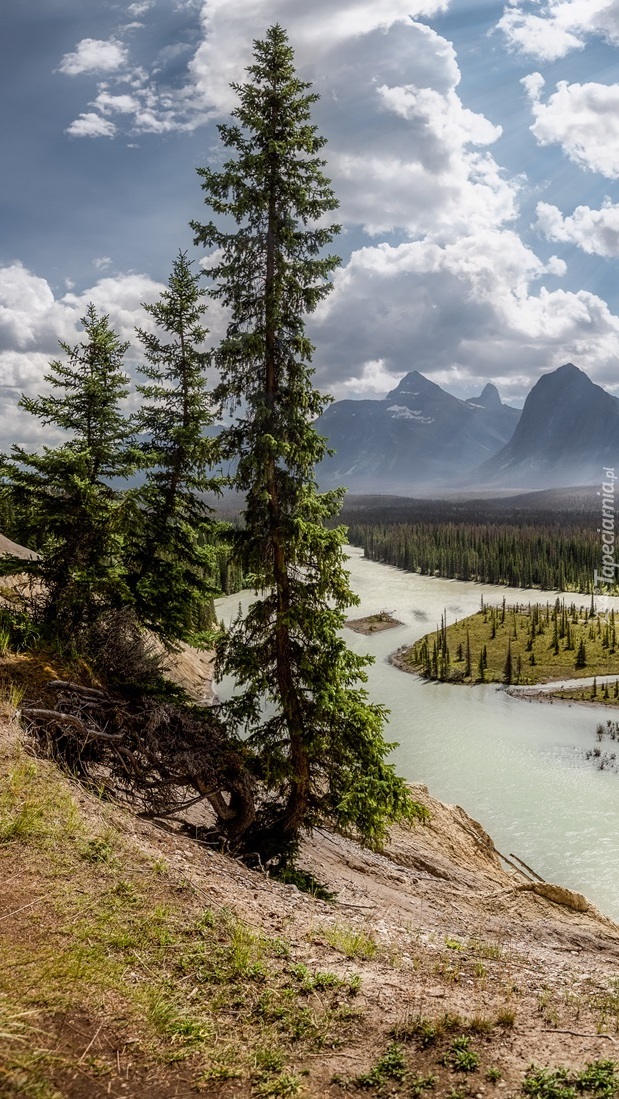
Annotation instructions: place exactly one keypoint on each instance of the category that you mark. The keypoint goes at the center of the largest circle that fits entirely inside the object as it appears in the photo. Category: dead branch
(76, 688)
(61, 718)
(579, 1034)
(162, 756)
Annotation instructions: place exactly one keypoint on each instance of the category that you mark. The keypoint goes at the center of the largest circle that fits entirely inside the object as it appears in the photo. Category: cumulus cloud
(552, 29)
(594, 231)
(375, 380)
(93, 55)
(461, 298)
(462, 312)
(33, 321)
(115, 104)
(226, 47)
(316, 30)
(404, 152)
(91, 125)
(582, 118)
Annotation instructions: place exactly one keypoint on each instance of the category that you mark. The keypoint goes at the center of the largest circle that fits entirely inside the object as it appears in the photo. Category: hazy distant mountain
(568, 430)
(418, 437)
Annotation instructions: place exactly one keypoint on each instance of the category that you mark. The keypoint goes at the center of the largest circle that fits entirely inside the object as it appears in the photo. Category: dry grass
(118, 976)
(95, 930)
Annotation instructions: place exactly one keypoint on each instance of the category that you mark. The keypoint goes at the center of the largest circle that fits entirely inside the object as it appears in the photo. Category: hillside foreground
(135, 961)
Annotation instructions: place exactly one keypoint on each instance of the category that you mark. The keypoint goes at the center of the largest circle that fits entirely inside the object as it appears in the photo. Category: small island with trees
(522, 644)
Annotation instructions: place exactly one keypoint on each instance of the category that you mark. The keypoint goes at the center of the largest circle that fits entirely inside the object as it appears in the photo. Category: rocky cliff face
(568, 431)
(419, 436)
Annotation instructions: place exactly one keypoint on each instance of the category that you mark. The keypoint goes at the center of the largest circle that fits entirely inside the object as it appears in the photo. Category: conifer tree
(467, 666)
(67, 493)
(173, 543)
(319, 745)
(508, 669)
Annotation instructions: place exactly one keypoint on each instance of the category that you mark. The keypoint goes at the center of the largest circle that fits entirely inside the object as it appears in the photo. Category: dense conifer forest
(489, 542)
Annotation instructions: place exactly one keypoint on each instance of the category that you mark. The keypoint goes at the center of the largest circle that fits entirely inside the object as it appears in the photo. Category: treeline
(531, 555)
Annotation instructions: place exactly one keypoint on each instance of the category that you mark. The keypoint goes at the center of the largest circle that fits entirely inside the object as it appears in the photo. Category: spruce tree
(67, 494)
(318, 744)
(508, 668)
(173, 551)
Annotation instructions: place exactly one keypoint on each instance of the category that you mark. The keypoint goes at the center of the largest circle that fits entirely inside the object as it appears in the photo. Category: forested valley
(518, 543)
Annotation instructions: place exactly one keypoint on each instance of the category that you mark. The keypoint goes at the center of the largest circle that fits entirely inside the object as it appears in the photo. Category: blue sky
(474, 148)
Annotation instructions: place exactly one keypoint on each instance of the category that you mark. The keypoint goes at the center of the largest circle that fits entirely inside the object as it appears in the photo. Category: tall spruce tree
(318, 742)
(67, 494)
(173, 543)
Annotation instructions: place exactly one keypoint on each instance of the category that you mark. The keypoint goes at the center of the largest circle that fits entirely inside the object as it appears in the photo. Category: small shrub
(506, 1018)
(391, 1066)
(305, 882)
(416, 1085)
(480, 1024)
(460, 1057)
(599, 1078)
(350, 941)
(98, 850)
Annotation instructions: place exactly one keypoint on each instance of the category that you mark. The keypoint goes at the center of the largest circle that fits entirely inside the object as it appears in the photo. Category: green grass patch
(599, 1078)
(525, 644)
(350, 941)
(99, 929)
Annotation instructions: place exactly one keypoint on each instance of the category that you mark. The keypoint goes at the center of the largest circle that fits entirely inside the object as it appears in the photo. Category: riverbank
(599, 690)
(518, 768)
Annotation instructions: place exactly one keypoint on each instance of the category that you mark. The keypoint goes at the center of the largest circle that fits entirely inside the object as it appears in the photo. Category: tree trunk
(298, 799)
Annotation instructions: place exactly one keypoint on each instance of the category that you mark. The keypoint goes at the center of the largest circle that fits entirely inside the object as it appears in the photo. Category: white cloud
(582, 118)
(100, 263)
(33, 321)
(316, 30)
(92, 55)
(375, 381)
(462, 312)
(462, 297)
(115, 104)
(550, 29)
(91, 125)
(140, 8)
(403, 152)
(594, 231)
(228, 32)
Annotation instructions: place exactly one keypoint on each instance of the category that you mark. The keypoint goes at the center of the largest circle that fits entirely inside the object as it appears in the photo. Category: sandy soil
(374, 623)
(455, 933)
(452, 932)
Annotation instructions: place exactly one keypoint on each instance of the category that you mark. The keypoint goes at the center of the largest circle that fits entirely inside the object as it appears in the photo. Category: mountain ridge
(419, 435)
(567, 433)
(422, 438)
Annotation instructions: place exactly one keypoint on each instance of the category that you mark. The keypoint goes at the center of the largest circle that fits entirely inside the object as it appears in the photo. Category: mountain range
(421, 438)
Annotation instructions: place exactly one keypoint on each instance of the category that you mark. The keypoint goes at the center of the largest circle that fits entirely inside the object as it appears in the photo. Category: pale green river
(517, 766)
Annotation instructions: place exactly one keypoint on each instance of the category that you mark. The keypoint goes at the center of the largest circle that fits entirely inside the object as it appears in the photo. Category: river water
(515, 765)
